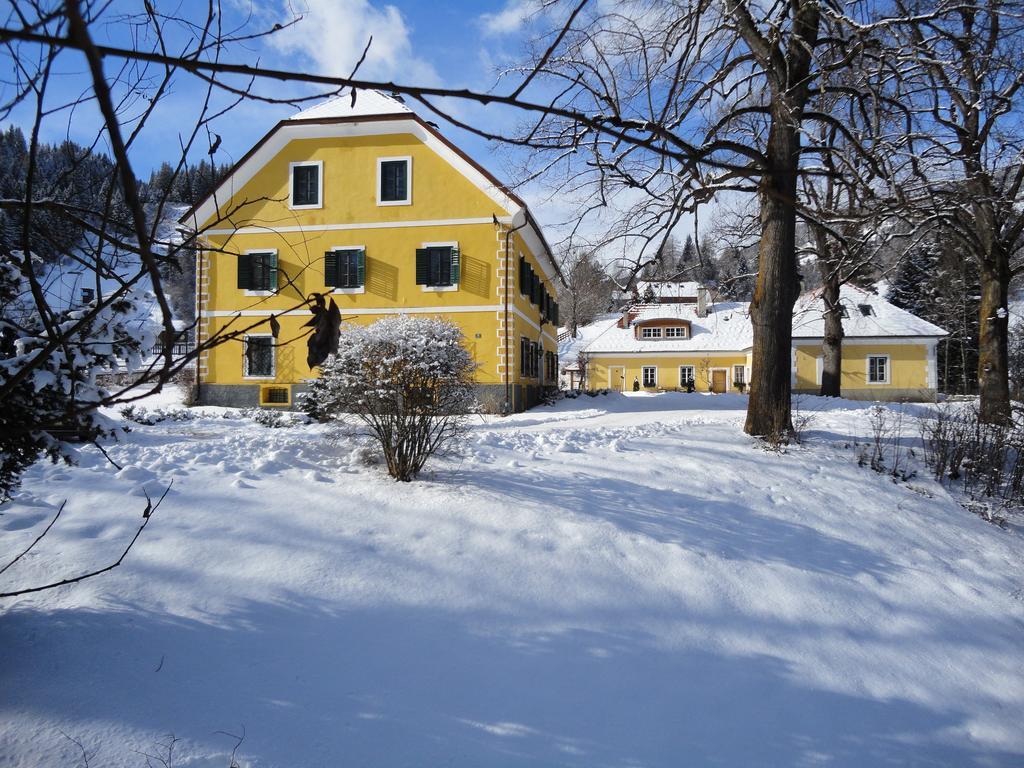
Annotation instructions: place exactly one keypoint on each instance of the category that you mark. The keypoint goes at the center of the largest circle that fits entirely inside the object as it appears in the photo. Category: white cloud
(333, 33)
(509, 19)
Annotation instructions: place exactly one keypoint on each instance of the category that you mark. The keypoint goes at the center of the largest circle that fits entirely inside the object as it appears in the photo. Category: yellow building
(705, 346)
(370, 205)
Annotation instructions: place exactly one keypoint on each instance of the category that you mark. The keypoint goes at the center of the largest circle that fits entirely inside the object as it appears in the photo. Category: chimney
(703, 301)
(628, 317)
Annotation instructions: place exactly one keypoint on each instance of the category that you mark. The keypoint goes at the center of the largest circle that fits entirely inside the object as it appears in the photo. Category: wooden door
(718, 381)
(617, 378)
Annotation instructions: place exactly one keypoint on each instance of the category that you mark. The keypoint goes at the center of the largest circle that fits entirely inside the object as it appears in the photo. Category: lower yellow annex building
(693, 343)
(361, 200)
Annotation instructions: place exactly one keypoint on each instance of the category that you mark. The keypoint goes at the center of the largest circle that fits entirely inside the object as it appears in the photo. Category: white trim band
(275, 229)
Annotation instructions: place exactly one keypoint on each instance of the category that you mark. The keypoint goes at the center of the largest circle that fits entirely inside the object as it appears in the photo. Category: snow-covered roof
(726, 328)
(569, 348)
(669, 290)
(880, 318)
(367, 104)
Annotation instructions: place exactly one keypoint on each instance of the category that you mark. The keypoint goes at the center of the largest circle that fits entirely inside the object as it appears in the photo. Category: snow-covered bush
(140, 415)
(409, 380)
(265, 418)
(50, 388)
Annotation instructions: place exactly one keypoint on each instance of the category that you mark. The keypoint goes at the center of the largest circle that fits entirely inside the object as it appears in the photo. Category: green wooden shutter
(522, 275)
(245, 271)
(271, 266)
(331, 269)
(422, 266)
(456, 259)
(360, 268)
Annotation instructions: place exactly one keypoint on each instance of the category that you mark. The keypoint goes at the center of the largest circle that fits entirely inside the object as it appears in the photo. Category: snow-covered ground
(614, 581)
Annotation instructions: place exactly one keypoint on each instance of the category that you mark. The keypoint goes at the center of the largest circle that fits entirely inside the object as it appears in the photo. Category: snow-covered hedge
(408, 379)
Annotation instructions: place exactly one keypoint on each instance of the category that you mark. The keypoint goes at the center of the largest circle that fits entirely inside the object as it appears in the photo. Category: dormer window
(394, 181)
(866, 310)
(842, 311)
(676, 332)
(306, 185)
(650, 333)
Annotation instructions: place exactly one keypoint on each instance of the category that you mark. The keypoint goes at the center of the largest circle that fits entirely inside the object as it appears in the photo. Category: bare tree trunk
(993, 338)
(832, 340)
(771, 311)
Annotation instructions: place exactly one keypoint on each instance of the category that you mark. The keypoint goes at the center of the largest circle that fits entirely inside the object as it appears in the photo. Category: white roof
(569, 348)
(669, 290)
(882, 319)
(726, 328)
(368, 104)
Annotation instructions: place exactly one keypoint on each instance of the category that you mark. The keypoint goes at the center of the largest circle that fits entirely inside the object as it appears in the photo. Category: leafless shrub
(984, 460)
(185, 381)
(802, 420)
(879, 420)
(887, 450)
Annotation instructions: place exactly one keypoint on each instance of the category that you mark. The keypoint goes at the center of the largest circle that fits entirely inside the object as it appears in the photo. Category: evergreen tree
(912, 287)
(688, 259)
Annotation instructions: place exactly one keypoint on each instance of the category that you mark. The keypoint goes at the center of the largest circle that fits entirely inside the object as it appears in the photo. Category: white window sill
(350, 291)
(383, 203)
(259, 378)
(305, 207)
(439, 288)
(877, 383)
(258, 293)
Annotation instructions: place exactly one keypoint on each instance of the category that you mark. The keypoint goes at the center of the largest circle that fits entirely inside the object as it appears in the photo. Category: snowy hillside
(615, 581)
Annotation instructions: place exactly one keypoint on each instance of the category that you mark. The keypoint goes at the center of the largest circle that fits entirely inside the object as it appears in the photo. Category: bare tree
(970, 144)
(725, 91)
(588, 288)
(664, 104)
(52, 343)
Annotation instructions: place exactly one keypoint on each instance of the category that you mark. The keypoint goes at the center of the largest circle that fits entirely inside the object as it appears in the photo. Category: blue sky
(451, 43)
(457, 43)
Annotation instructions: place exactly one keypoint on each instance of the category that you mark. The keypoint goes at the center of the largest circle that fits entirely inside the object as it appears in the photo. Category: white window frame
(732, 373)
(245, 357)
(888, 370)
(350, 291)
(682, 332)
(319, 187)
(643, 376)
(693, 375)
(408, 180)
(650, 333)
(441, 288)
(250, 292)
